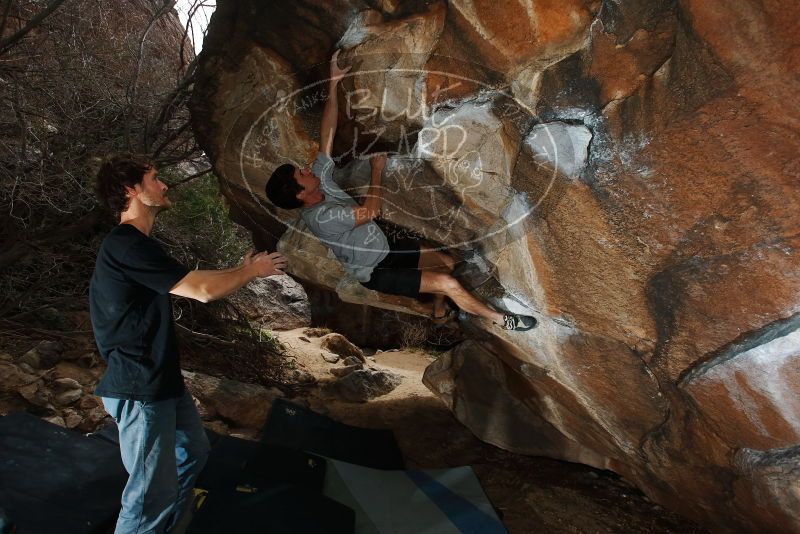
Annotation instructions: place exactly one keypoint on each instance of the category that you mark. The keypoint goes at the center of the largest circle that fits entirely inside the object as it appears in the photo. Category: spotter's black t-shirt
(131, 314)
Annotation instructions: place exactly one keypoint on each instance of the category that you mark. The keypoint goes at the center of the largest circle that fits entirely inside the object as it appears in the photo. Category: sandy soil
(532, 494)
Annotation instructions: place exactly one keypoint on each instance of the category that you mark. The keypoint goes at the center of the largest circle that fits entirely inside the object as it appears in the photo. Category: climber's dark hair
(282, 188)
(117, 172)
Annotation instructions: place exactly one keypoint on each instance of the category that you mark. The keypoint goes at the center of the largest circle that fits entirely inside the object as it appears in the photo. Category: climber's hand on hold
(337, 73)
(327, 126)
(377, 162)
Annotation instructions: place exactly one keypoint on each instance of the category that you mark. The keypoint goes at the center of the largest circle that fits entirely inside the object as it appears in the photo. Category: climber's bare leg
(436, 261)
(444, 284)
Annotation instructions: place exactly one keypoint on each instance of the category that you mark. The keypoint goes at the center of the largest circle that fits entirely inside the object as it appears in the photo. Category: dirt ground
(531, 494)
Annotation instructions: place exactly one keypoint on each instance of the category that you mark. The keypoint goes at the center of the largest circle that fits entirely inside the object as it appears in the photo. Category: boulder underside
(625, 171)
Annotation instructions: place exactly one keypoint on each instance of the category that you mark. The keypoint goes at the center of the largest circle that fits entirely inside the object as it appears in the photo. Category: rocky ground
(532, 494)
(55, 378)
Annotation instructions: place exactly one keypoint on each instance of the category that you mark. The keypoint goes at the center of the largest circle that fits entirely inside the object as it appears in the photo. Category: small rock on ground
(338, 344)
(330, 357)
(344, 371)
(316, 331)
(352, 360)
(362, 385)
(43, 356)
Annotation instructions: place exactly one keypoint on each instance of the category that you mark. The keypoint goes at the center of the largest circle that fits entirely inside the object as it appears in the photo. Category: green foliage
(197, 228)
(269, 338)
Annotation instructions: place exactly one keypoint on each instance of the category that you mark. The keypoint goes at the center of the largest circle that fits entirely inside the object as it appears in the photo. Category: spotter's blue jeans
(164, 448)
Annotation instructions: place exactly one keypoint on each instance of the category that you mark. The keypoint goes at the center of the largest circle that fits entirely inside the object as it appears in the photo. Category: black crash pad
(280, 509)
(57, 480)
(256, 487)
(259, 487)
(296, 427)
(234, 462)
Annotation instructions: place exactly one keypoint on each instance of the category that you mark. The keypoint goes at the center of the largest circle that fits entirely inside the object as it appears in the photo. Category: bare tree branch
(5, 16)
(189, 178)
(196, 4)
(170, 106)
(165, 8)
(6, 44)
(67, 99)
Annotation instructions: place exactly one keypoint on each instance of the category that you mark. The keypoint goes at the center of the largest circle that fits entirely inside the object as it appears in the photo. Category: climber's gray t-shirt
(358, 248)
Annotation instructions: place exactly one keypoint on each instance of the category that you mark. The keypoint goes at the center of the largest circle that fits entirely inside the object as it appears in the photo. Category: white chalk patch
(769, 369)
(561, 146)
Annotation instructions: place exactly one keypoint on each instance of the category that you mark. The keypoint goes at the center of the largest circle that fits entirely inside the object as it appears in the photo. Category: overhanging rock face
(627, 171)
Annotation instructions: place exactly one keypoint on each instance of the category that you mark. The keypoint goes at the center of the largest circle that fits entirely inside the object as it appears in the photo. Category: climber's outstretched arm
(330, 112)
(371, 208)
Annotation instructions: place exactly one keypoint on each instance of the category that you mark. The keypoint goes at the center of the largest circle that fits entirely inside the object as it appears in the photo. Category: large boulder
(277, 303)
(362, 385)
(626, 171)
(237, 403)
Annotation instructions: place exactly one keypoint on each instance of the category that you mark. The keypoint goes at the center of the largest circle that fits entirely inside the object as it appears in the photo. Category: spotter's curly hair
(116, 173)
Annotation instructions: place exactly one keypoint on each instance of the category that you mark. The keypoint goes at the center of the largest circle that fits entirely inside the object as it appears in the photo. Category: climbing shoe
(520, 323)
(450, 313)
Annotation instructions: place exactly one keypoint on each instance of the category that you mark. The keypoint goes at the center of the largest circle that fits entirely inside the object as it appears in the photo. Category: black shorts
(398, 273)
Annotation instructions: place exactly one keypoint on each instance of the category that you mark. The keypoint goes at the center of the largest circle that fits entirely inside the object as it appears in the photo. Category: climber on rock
(393, 265)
